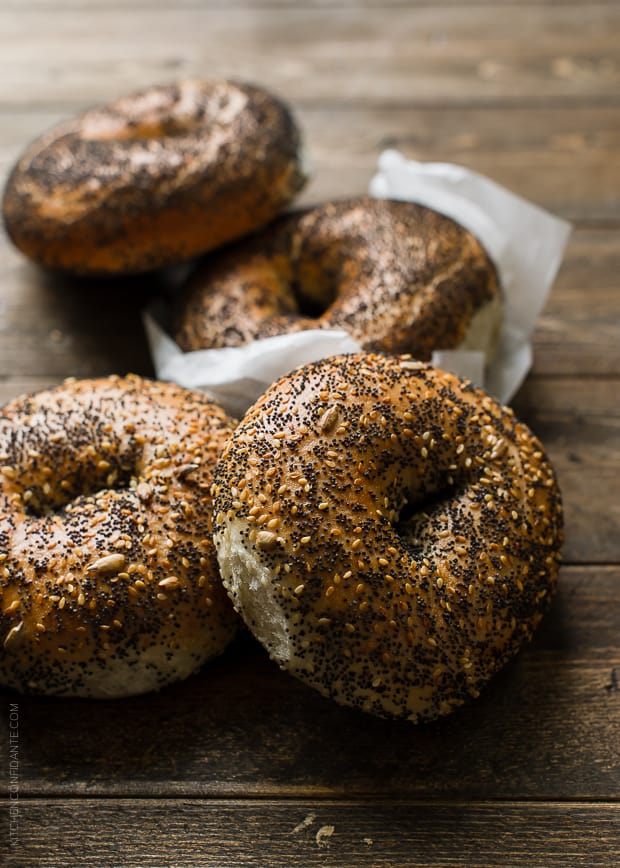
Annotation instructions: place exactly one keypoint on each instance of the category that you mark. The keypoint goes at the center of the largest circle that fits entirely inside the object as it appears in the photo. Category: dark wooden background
(241, 765)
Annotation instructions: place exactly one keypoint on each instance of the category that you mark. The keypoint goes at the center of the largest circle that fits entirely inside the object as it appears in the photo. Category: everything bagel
(154, 178)
(389, 532)
(109, 584)
(398, 277)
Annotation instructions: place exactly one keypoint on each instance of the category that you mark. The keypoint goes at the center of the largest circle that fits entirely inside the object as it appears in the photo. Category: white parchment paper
(236, 376)
(525, 242)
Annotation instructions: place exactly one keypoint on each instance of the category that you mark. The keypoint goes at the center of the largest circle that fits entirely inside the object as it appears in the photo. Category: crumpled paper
(236, 376)
(525, 243)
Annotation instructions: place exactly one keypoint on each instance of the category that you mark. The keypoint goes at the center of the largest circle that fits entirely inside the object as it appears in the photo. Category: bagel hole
(310, 306)
(63, 491)
(315, 289)
(417, 512)
(327, 263)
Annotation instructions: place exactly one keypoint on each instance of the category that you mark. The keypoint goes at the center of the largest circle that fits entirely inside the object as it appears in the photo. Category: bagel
(109, 584)
(154, 178)
(388, 532)
(399, 277)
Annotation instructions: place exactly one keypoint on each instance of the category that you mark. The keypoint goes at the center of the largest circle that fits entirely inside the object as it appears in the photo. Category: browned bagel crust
(109, 584)
(388, 531)
(154, 178)
(398, 277)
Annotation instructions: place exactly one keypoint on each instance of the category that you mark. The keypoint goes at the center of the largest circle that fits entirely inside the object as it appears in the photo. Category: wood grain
(79, 328)
(241, 764)
(86, 328)
(547, 727)
(472, 55)
(576, 420)
(565, 159)
(578, 423)
(273, 5)
(401, 834)
(578, 332)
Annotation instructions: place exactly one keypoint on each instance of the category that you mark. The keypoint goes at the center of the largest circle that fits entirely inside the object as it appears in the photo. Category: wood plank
(241, 764)
(578, 421)
(548, 726)
(60, 327)
(79, 330)
(275, 5)
(566, 160)
(381, 834)
(582, 441)
(584, 448)
(458, 55)
(94, 328)
(578, 332)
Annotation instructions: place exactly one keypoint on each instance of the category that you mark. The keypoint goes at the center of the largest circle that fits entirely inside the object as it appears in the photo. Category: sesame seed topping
(266, 540)
(107, 564)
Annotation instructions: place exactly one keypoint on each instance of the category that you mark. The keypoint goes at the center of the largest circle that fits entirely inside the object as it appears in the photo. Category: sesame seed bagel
(109, 584)
(397, 276)
(389, 532)
(154, 178)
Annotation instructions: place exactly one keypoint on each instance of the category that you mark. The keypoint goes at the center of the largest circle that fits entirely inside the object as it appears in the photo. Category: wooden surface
(241, 765)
